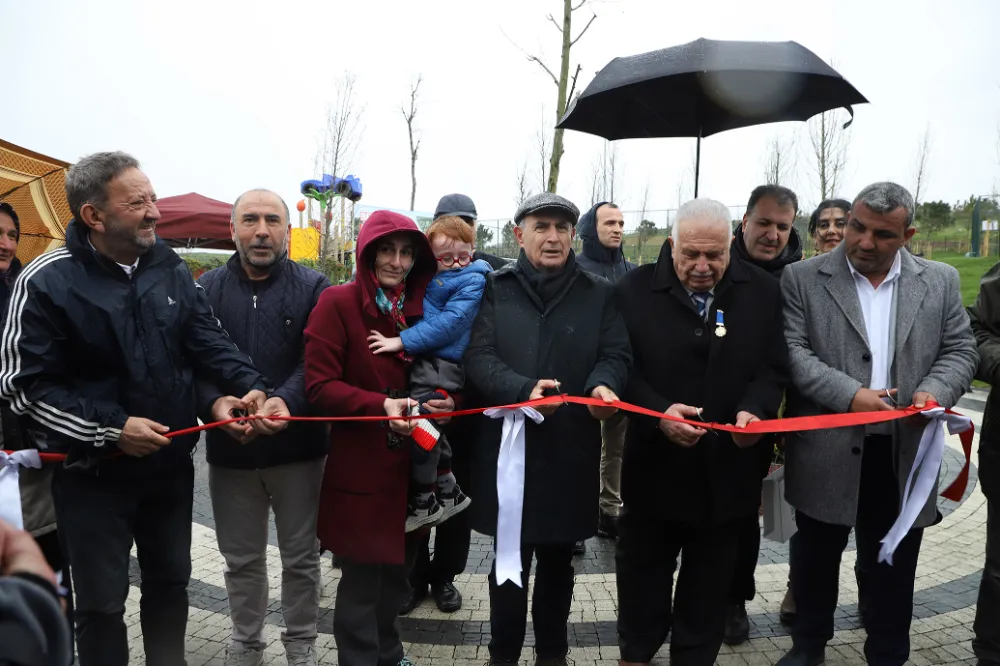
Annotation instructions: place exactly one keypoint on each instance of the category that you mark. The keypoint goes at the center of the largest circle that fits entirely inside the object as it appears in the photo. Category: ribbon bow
(510, 490)
(926, 467)
(10, 491)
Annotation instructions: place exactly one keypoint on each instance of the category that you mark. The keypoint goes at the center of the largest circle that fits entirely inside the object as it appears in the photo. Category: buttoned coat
(933, 350)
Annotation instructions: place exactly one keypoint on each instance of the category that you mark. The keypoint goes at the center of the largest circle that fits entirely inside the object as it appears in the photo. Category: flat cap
(547, 201)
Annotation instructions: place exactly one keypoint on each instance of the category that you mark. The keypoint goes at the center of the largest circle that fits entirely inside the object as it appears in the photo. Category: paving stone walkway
(944, 606)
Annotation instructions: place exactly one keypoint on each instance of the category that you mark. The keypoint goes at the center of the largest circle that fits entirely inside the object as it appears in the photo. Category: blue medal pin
(720, 324)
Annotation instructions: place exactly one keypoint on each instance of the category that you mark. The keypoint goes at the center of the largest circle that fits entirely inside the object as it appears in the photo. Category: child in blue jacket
(438, 341)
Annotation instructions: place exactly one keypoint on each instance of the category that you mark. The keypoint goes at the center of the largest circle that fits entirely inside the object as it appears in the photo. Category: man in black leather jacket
(263, 300)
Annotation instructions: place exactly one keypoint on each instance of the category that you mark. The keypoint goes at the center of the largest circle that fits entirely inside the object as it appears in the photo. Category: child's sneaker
(422, 513)
(454, 502)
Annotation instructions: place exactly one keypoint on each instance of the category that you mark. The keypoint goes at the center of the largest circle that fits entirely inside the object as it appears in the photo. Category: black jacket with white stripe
(85, 347)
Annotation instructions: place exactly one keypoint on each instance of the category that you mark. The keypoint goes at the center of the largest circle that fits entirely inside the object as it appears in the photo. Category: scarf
(389, 301)
(547, 285)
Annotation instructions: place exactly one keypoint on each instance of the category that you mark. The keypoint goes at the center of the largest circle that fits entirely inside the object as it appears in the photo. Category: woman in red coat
(362, 514)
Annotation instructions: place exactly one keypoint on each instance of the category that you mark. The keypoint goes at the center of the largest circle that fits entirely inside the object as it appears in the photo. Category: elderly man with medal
(706, 335)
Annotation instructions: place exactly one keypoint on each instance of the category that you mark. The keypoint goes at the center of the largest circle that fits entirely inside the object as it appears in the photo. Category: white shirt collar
(890, 276)
(128, 269)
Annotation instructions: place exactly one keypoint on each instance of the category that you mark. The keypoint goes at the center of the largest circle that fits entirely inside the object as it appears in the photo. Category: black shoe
(447, 597)
(607, 526)
(416, 596)
(737, 625)
(579, 548)
(797, 657)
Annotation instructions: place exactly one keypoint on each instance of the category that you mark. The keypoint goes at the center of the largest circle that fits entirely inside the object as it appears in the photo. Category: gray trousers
(612, 449)
(427, 376)
(241, 499)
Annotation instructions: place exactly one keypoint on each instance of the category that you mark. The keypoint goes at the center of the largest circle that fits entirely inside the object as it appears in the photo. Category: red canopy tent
(195, 221)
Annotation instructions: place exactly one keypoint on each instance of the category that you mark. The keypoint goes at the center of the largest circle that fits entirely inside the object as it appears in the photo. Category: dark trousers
(366, 615)
(550, 603)
(646, 559)
(99, 518)
(986, 644)
(816, 560)
(55, 555)
(743, 587)
(452, 537)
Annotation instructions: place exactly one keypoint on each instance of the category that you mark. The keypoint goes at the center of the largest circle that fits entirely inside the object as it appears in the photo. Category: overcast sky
(219, 96)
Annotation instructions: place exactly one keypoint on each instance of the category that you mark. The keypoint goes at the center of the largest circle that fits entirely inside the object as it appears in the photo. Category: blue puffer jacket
(450, 306)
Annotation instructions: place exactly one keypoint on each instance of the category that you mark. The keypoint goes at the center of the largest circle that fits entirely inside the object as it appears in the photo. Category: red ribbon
(954, 492)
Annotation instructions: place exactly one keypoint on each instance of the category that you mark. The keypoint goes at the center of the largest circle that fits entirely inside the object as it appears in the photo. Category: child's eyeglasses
(450, 259)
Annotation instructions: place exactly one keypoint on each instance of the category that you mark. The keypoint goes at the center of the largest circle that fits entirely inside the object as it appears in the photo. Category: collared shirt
(128, 269)
(876, 308)
(708, 301)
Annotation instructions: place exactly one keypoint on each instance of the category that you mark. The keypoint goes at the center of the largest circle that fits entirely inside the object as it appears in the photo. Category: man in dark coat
(601, 230)
(705, 329)
(451, 544)
(985, 316)
(766, 239)
(545, 325)
(103, 341)
(263, 300)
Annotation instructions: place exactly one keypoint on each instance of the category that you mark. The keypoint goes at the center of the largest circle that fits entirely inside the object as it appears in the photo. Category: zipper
(255, 301)
(252, 348)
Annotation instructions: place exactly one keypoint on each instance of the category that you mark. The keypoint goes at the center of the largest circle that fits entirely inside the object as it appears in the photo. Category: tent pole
(697, 163)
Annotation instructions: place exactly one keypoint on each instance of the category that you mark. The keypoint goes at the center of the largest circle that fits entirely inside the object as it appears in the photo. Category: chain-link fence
(645, 232)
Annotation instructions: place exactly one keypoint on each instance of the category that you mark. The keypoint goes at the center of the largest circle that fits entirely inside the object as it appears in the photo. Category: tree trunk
(557, 135)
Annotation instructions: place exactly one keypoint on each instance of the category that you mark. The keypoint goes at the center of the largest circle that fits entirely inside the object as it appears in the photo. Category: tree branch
(582, 3)
(558, 27)
(569, 96)
(584, 31)
(532, 58)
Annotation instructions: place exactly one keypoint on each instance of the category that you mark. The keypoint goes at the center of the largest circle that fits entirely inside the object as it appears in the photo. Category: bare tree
(779, 163)
(338, 148)
(920, 170)
(829, 140)
(523, 191)
(408, 116)
(544, 154)
(606, 174)
(564, 85)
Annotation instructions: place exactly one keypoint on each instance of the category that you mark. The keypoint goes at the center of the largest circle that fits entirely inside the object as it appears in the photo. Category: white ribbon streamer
(10, 491)
(510, 490)
(926, 467)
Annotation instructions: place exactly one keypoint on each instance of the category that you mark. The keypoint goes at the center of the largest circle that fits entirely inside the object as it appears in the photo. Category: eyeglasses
(450, 260)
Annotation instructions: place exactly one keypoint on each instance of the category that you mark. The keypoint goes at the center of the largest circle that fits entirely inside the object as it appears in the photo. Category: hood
(591, 245)
(382, 223)
(791, 253)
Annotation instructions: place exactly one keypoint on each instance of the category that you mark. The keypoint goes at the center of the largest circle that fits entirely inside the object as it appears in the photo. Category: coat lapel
(911, 289)
(844, 292)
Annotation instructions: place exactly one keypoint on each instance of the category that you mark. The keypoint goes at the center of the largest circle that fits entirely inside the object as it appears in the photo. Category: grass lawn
(970, 270)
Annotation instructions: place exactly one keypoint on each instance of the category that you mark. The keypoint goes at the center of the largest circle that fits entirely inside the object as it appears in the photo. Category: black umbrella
(708, 86)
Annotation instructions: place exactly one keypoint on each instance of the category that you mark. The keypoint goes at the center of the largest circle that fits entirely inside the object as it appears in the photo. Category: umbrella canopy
(195, 221)
(705, 87)
(35, 185)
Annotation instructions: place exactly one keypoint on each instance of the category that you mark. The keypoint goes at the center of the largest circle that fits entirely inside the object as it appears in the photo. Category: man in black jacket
(451, 544)
(706, 335)
(544, 325)
(263, 300)
(100, 350)
(601, 229)
(767, 239)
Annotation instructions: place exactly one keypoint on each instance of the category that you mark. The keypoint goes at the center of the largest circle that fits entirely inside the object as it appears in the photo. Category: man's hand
(20, 554)
(682, 433)
(742, 420)
(921, 398)
(437, 406)
(870, 400)
(608, 396)
(222, 410)
(538, 392)
(379, 344)
(397, 407)
(142, 437)
(267, 425)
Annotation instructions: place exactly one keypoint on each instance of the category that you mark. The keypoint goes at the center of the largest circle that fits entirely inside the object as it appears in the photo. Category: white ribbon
(10, 491)
(510, 490)
(926, 467)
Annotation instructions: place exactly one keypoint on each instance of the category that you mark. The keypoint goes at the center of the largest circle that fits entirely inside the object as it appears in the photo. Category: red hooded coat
(362, 512)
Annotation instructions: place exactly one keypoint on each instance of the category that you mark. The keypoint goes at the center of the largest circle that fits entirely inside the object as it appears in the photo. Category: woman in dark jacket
(362, 513)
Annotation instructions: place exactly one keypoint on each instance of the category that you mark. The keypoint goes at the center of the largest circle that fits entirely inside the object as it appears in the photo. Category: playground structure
(336, 233)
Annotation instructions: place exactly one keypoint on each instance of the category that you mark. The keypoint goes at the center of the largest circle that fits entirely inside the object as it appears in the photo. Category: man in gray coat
(868, 326)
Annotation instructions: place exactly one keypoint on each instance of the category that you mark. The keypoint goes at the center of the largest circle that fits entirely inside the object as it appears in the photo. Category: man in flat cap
(545, 327)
